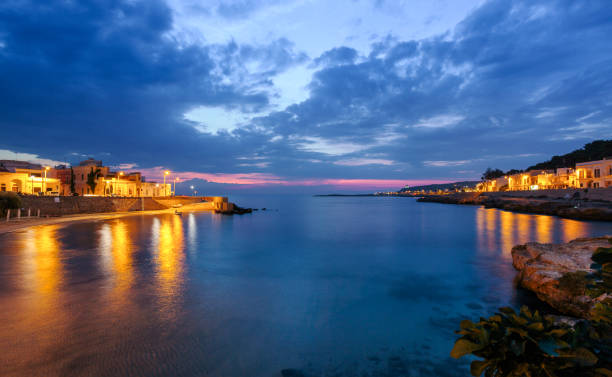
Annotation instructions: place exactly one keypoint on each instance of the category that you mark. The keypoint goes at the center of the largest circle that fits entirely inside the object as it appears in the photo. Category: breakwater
(582, 204)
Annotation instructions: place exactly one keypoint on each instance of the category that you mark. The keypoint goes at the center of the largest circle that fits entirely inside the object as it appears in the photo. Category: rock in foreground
(555, 273)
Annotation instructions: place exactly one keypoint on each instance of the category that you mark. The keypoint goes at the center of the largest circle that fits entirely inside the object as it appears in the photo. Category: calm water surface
(331, 286)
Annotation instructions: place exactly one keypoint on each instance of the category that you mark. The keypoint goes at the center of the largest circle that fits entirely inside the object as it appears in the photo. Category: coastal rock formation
(553, 272)
(556, 204)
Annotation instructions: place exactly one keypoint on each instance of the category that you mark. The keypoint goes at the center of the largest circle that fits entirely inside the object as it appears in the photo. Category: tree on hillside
(92, 178)
(72, 188)
(492, 174)
(597, 150)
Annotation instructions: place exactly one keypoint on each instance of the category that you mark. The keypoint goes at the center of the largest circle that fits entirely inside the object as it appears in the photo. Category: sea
(310, 286)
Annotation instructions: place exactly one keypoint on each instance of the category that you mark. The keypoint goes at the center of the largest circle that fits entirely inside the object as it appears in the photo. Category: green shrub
(527, 344)
(9, 200)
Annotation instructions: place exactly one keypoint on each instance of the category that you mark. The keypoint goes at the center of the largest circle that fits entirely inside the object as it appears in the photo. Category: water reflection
(544, 228)
(116, 247)
(573, 229)
(507, 230)
(503, 230)
(192, 232)
(168, 240)
(257, 294)
(42, 268)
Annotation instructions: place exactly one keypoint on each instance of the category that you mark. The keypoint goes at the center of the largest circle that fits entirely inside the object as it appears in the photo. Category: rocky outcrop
(233, 209)
(580, 209)
(555, 273)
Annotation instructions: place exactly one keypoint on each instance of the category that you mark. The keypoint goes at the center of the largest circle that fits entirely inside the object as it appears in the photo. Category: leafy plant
(72, 188)
(491, 174)
(601, 279)
(9, 200)
(525, 344)
(92, 178)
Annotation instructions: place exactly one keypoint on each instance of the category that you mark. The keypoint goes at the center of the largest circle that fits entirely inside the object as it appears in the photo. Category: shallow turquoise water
(342, 286)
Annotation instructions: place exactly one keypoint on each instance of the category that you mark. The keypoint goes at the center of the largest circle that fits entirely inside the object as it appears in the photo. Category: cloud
(440, 121)
(446, 163)
(121, 81)
(337, 56)
(328, 147)
(125, 166)
(29, 157)
(363, 161)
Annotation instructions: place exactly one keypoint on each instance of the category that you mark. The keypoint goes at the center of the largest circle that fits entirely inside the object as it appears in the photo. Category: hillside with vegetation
(441, 186)
(597, 150)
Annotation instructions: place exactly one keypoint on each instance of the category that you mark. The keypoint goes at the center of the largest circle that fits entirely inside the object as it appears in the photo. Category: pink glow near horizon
(264, 179)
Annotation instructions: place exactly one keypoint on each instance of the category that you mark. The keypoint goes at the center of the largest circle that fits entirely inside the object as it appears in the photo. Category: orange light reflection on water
(116, 247)
(507, 231)
(42, 265)
(544, 228)
(168, 238)
(497, 229)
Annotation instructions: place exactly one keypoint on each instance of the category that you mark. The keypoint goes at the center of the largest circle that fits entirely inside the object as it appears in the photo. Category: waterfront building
(491, 185)
(27, 178)
(88, 178)
(595, 174)
(107, 182)
(592, 174)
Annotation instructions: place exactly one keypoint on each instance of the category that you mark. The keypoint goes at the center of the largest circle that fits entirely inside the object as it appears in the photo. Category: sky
(304, 95)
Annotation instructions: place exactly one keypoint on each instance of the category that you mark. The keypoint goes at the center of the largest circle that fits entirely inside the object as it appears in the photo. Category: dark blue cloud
(514, 78)
(337, 56)
(109, 78)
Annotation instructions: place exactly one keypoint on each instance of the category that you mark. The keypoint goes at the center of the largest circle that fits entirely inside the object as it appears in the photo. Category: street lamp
(174, 189)
(191, 188)
(167, 172)
(118, 176)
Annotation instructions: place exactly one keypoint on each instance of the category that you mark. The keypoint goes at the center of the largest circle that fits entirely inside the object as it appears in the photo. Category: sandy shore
(24, 222)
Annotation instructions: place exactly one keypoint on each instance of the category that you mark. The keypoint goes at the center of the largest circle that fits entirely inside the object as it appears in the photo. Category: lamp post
(174, 189)
(118, 176)
(45, 181)
(166, 173)
(191, 188)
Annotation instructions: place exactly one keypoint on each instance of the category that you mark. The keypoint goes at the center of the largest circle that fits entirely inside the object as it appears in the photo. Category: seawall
(580, 204)
(72, 205)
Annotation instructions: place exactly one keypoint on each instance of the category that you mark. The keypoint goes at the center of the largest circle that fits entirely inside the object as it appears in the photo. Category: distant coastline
(323, 195)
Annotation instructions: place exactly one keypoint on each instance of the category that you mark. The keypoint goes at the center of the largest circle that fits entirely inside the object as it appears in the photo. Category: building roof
(90, 161)
(606, 159)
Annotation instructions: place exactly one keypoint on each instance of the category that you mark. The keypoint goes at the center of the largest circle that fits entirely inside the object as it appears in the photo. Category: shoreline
(25, 222)
(569, 208)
